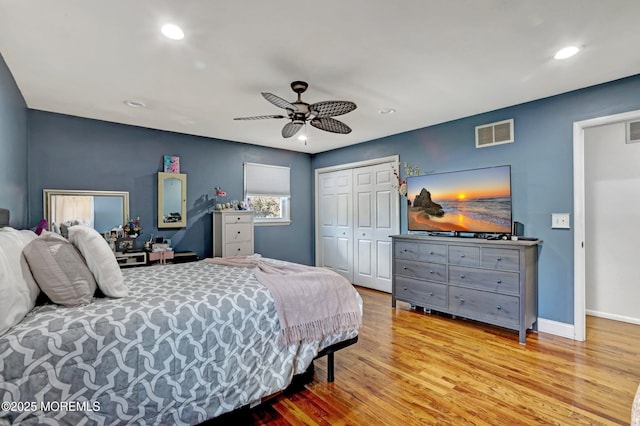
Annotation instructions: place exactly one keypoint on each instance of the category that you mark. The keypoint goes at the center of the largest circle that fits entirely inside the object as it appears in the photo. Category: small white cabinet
(136, 258)
(232, 233)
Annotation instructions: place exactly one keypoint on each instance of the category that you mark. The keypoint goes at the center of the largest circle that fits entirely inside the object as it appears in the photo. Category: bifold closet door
(375, 219)
(335, 196)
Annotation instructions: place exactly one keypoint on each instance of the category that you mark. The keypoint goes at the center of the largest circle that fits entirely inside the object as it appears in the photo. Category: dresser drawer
(498, 309)
(423, 270)
(463, 255)
(485, 279)
(433, 253)
(244, 248)
(237, 218)
(406, 250)
(237, 232)
(421, 293)
(499, 258)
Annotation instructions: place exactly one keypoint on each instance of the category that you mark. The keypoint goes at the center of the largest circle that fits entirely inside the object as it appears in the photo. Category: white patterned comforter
(192, 341)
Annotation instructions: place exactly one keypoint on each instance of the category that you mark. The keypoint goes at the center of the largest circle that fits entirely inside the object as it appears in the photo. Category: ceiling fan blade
(291, 129)
(260, 117)
(279, 102)
(330, 125)
(331, 108)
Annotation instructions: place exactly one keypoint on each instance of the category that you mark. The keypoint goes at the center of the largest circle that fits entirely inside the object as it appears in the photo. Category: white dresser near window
(232, 233)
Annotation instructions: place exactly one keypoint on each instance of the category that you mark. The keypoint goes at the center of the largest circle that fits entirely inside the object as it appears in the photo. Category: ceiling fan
(319, 114)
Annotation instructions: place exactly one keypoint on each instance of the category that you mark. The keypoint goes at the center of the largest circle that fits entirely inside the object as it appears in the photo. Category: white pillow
(18, 290)
(100, 260)
(60, 270)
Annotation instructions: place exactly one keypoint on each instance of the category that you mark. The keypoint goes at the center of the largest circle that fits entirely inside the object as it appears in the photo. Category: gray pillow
(100, 260)
(60, 270)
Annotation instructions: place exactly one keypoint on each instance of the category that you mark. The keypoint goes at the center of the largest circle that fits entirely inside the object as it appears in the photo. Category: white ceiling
(431, 60)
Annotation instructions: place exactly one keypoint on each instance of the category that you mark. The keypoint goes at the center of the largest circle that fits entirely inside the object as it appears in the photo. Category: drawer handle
(499, 259)
(499, 281)
(462, 255)
(405, 268)
(430, 293)
(498, 307)
(461, 276)
(406, 250)
(238, 232)
(404, 288)
(238, 219)
(431, 253)
(461, 299)
(431, 272)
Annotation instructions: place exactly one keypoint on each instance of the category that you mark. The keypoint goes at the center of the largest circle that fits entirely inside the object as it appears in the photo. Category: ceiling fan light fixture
(318, 114)
(172, 31)
(566, 52)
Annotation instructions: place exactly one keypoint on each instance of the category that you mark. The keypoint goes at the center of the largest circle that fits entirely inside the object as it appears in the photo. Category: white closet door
(336, 223)
(375, 219)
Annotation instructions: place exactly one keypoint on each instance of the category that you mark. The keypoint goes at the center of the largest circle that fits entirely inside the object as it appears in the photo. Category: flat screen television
(466, 201)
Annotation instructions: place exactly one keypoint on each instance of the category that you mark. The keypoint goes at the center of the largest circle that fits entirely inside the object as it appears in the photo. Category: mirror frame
(182, 177)
(48, 193)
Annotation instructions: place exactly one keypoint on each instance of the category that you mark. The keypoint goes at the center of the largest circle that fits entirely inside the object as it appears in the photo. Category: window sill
(266, 223)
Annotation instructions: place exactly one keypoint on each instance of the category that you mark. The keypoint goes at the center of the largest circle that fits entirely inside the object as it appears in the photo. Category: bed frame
(329, 352)
(243, 415)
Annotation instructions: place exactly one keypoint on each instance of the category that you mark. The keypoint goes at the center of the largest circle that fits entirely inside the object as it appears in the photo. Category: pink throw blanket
(312, 302)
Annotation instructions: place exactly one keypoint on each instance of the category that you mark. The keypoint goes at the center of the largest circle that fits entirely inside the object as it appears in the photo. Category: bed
(188, 343)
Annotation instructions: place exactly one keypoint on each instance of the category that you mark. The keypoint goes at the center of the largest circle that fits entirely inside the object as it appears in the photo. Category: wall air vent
(633, 131)
(494, 134)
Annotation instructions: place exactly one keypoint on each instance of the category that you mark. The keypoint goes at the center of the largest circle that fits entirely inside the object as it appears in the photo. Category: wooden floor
(412, 368)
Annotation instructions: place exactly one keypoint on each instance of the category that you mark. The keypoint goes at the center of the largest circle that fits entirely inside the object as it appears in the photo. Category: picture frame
(125, 244)
(171, 164)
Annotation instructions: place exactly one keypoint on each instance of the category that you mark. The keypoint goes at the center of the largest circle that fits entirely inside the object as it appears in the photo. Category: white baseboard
(614, 317)
(556, 328)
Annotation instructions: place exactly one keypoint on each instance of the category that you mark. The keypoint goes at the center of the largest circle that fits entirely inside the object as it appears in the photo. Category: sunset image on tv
(476, 200)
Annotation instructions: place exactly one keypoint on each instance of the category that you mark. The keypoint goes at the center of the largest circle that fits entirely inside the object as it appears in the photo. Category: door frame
(579, 233)
(375, 161)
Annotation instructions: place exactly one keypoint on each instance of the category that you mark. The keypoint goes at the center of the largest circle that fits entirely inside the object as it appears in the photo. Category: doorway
(579, 206)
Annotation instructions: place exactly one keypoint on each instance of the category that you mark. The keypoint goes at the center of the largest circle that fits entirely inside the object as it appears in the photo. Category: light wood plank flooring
(411, 368)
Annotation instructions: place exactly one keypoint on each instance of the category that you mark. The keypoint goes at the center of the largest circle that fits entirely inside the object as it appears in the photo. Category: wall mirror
(172, 200)
(102, 210)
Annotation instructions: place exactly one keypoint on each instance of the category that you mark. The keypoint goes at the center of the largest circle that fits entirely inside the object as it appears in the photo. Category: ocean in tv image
(477, 200)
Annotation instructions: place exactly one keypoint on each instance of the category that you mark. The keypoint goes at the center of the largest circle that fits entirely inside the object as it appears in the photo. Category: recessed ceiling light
(566, 52)
(134, 104)
(172, 31)
(386, 111)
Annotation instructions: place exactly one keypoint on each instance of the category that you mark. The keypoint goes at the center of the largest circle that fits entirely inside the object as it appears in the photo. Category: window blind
(267, 180)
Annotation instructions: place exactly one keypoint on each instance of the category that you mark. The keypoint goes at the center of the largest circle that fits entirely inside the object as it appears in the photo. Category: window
(267, 192)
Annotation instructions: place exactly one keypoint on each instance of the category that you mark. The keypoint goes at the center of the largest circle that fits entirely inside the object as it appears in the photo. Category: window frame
(270, 174)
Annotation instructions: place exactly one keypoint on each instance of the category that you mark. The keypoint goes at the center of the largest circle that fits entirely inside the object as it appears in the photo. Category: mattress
(192, 341)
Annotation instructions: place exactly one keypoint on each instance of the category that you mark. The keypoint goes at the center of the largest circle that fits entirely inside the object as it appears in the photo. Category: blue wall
(13, 149)
(541, 162)
(75, 153)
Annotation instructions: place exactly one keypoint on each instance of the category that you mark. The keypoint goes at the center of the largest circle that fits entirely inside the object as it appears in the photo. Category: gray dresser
(493, 281)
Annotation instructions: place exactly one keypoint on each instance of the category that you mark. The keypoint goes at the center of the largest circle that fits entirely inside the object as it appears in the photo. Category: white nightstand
(137, 258)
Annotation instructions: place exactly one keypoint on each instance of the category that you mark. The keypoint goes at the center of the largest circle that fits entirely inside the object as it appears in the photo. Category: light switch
(560, 220)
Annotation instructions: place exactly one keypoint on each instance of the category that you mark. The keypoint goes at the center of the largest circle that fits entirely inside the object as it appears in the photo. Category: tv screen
(474, 201)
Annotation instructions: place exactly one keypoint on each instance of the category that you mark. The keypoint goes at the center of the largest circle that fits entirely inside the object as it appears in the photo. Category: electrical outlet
(560, 220)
